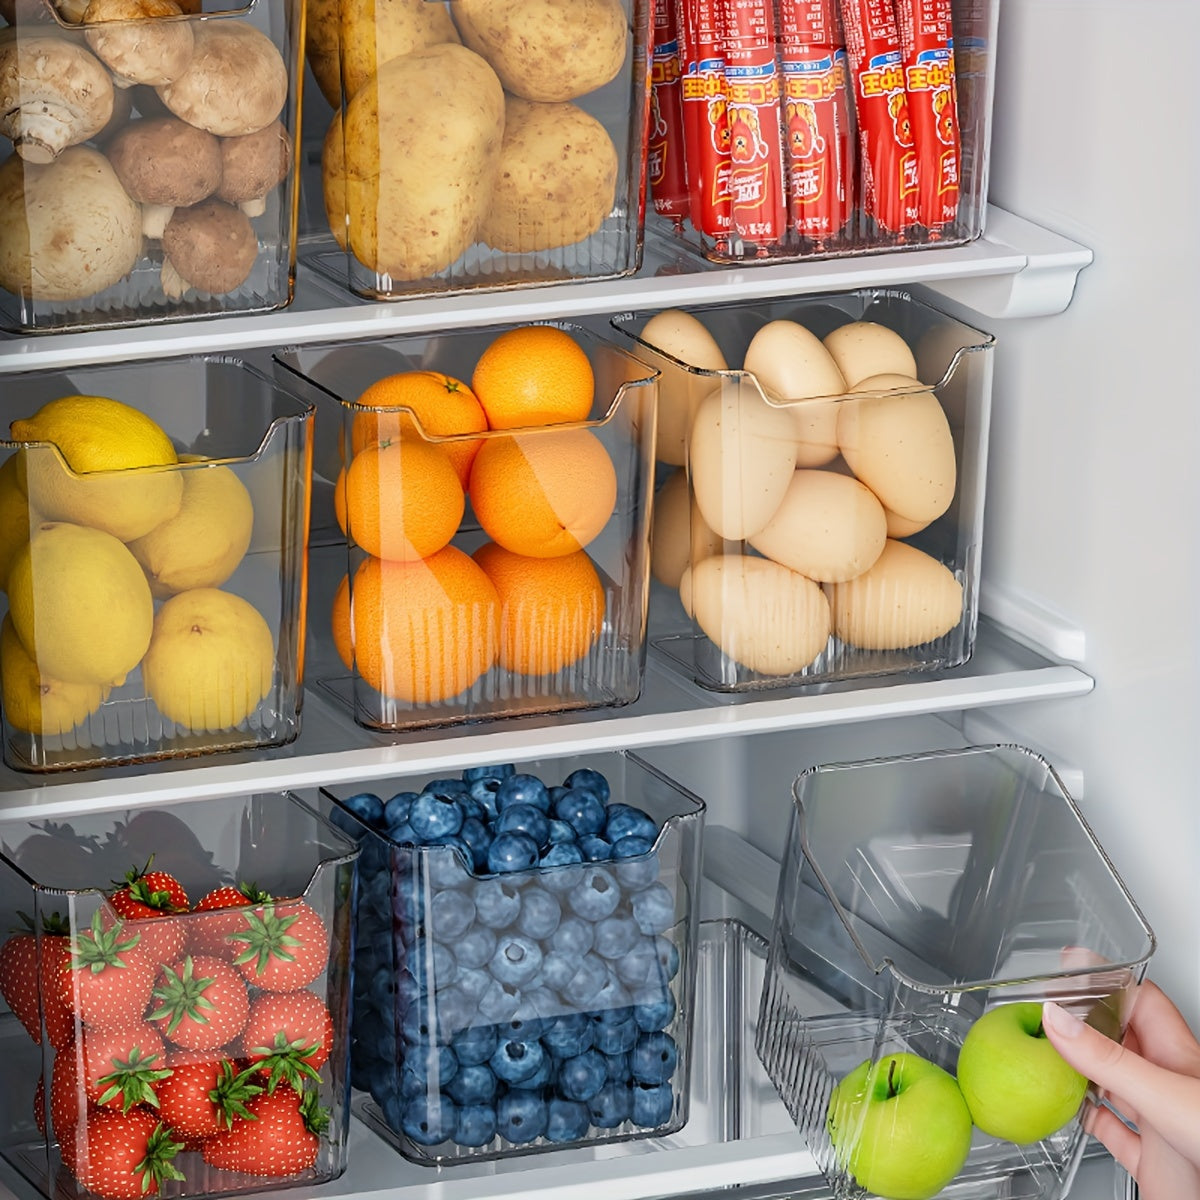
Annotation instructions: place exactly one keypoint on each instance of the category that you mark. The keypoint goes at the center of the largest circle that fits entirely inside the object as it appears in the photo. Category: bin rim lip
(885, 963)
(985, 342)
(305, 410)
(286, 358)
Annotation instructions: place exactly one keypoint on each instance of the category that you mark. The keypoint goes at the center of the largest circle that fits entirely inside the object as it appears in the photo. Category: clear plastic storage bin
(523, 163)
(502, 1009)
(200, 982)
(155, 599)
(179, 125)
(819, 513)
(495, 573)
(928, 905)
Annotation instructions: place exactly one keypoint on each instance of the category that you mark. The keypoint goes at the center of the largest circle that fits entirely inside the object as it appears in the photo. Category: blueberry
(615, 936)
(438, 1065)
(568, 1035)
(617, 1066)
(407, 989)
(668, 957)
(403, 833)
(597, 894)
(540, 914)
(517, 959)
(595, 848)
(497, 771)
(544, 1000)
(523, 818)
(561, 873)
(429, 1120)
(483, 792)
(615, 1037)
(612, 1002)
(475, 947)
(367, 807)
(500, 1002)
(456, 1008)
(521, 1117)
(653, 1009)
(582, 809)
(412, 1084)
(475, 1045)
(418, 1025)
(653, 1058)
(560, 831)
(448, 863)
(512, 852)
(626, 821)
(431, 964)
(540, 1079)
(473, 1084)
(526, 1023)
(611, 1106)
(586, 982)
(653, 1104)
(473, 981)
(477, 837)
(654, 908)
(451, 913)
(635, 864)
(523, 789)
(472, 809)
(476, 1125)
(559, 967)
(586, 777)
(515, 1059)
(397, 808)
(573, 935)
(434, 816)
(384, 989)
(567, 1120)
(497, 903)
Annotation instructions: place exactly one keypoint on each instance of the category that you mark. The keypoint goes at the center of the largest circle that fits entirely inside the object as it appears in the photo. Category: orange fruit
(339, 499)
(543, 494)
(339, 619)
(424, 631)
(551, 609)
(533, 375)
(403, 499)
(443, 406)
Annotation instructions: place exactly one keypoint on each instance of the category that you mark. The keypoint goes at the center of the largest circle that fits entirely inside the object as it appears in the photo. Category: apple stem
(892, 1090)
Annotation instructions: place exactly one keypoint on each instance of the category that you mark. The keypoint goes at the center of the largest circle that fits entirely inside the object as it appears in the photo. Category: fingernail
(1061, 1021)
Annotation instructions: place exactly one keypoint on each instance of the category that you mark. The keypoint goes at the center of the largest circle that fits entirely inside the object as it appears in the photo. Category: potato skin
(333, 179)
(557, 179)
(374, 32)
(546, 50)
(422, 144)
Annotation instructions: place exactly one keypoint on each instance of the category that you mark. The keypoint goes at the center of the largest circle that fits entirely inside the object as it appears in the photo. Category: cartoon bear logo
(804, 141)
(745, 136)
(718, 124)
(943, 108)
(901, 121)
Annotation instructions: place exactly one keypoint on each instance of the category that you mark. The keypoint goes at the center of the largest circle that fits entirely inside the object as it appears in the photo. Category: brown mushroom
(211, 247)
(138, 39)
(54, 93)
(251, 165)
(236, 83)
(165, 163)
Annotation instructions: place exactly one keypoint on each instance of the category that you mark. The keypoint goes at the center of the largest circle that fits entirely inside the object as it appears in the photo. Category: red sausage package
(705, 123)
(666, 170)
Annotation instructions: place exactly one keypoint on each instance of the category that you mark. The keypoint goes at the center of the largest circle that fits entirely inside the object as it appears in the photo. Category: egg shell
(906, 599)
(900, 445)
(742, 454)
(865, 348)
(684, 338)
(902, 527)
(762, 615)
(828, 526)
(790, 363)
(678, 533)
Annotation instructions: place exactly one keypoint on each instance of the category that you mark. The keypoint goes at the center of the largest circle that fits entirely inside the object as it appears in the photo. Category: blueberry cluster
(512, 966)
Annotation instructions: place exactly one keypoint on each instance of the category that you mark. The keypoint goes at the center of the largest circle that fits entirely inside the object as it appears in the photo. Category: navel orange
(533, 375)
(339, 620)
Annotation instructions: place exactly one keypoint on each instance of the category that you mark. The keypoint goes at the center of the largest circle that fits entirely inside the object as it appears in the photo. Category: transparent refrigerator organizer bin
(232, 540)
(919, 894)
(584, 971)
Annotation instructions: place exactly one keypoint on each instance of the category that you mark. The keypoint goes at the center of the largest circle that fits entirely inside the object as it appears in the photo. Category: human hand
(1153, 1079)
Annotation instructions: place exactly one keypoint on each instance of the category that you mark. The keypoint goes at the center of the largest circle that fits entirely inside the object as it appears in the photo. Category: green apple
(899, 1126)
(1017, 1086)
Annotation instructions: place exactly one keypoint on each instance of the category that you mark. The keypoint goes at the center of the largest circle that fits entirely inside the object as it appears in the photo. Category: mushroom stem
(155, 218)
(173, 284)
(254, 208)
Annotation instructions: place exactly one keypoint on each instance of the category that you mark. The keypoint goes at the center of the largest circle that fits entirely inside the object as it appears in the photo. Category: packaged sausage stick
(665, 167)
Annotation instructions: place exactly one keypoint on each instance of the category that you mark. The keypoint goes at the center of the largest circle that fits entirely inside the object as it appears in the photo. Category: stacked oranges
(422, 620)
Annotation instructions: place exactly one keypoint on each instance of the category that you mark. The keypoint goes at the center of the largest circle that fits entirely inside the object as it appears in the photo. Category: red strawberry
(286, 946)
(68, 1103)
(151, 899)
(126, 1155)
(106, 981)
(39, 1105)
(200, 1003)
(123, 1067)
(26, 970)
(289, 1035)
(210, 934)
(282, 1139)
(204, 1094)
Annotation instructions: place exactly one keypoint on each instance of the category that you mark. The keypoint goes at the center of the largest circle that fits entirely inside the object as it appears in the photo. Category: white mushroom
(211, 247)
(141, 41)
(54, 93)
(165, 163)
(67, 228)
(251, 165)
(236, 83)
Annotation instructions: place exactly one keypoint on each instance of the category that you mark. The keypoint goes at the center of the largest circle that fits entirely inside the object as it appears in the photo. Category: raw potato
(557, 178)
(742, 457)
(762, 615)
(829, 527)
(333, 179)
(422, 145)
(900, 446)
(682, 339)
(679, 535)
(322, 48)
(865, 348)
(374, 32)
(906, 599)
(548, 50)
(790, 363)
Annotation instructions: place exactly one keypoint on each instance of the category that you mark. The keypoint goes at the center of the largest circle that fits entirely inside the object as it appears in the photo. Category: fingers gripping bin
(155, 571)
(497, 572)
(820, 509)
(504, 1004)
(177, 1032)
(929, 904)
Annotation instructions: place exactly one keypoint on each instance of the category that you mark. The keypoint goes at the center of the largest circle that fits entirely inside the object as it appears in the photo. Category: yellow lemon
(102, 463)
(80, 604)
(202, 544)
(35, 703)
(15, 517)
(211, 659)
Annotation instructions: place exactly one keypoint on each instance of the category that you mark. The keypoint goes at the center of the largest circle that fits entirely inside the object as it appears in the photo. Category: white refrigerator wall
(1094, 477)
